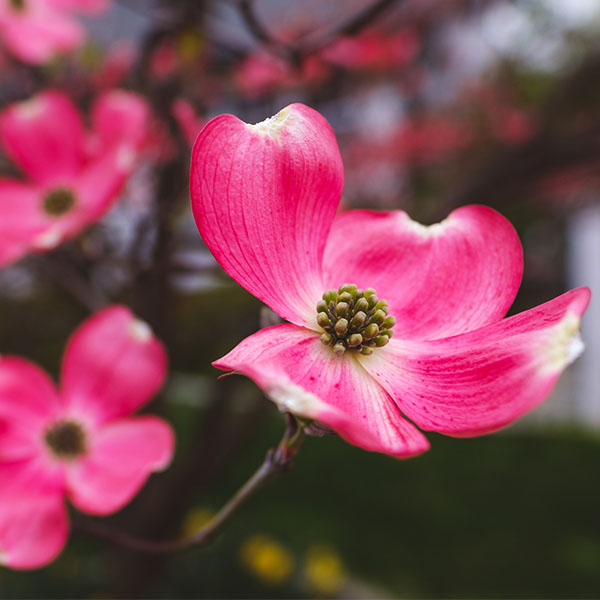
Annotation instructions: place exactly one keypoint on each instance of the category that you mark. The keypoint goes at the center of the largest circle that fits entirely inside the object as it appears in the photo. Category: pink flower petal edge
(33, 530)
(44, 136)
(120, 460)
(483, 380)
(303, 377)
(113, 365)
(468, 266)
(264, 197)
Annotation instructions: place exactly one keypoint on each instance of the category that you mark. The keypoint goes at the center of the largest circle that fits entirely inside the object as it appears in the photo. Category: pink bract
(79, 441)
(73, 177)
(265, 198)
(36, 30)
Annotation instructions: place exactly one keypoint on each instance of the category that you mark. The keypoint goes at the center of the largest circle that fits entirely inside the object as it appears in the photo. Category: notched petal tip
(272, 126)
(293, 398)
(564, 345)
(140, 330)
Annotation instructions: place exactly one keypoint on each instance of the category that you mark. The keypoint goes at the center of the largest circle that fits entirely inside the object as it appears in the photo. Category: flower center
(17, 5)
(66, 439)
(58, 202)
(354, 319)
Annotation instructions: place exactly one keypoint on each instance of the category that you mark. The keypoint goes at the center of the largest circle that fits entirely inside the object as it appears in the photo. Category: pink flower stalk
(73, 177)
(79, 441)
(265, 198)
(35, 30)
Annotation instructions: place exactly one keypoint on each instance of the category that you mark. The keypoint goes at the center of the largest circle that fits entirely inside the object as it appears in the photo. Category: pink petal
(113, 365)
(44, 136)
(118, 118)
(37, 33)
(440, 280)
(28, 402)
(304, 377)
(121, 458)
(33, 529)
(483, 380)
(22, 220)
(264, 197)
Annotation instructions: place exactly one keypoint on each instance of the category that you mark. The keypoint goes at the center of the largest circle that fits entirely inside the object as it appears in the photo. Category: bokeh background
(436, 104)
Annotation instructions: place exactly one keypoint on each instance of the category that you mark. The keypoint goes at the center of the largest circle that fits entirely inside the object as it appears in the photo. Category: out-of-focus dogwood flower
(265, 198)
(73, 177)
(187, 119)
(79, 441)
(373, 50)
(35, 30)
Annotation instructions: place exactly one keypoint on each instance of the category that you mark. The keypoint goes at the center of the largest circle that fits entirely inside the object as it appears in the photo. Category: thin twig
(72, 281)
(276, 461)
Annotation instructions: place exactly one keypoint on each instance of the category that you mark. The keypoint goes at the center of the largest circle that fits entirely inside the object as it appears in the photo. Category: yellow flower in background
(196, 519)
(267, 559)
(324, 570)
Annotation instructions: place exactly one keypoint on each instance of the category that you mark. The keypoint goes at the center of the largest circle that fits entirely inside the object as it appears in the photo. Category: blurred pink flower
(79, 441)
(35, 30)
(73, 177)
(187, 119)
(373, 50)
(265, 198)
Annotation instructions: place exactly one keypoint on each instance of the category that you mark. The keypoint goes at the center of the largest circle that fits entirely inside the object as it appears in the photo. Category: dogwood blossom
(73, 177)
(389, 320)
(35, 30)
(79, 441)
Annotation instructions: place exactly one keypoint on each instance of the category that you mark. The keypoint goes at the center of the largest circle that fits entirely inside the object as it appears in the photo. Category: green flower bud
(370, 331)
(326, 339)
(341, 327)
(322, 306)
(358, 320)
(389, 322)
(381, 340)
(330, 296)
(378, 317)
(361, 305)
(355, 340)
(323, 320)
(342, 309)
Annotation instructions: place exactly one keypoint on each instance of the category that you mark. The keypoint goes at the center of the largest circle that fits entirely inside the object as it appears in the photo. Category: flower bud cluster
(354, 319)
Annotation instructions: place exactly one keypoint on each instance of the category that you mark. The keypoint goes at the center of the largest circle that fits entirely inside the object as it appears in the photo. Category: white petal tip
(426, 231)
(564, 344)
(290, 397)
(30, 109)
(48, 240)
(272, 126)
(140, 330)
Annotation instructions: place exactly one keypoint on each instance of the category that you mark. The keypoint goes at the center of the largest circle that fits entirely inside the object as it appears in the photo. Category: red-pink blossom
(265, 198)
(73, 177)
(79, 441)
(187, 119)
(373, 50)
(35, 30)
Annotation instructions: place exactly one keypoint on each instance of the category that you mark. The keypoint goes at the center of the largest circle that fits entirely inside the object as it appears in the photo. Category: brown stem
(276, 461)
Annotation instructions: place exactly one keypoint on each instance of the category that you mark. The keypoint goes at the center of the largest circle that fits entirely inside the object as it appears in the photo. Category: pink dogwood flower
(79, 441)
(73, 177)
(389, 320)
(36, 30)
